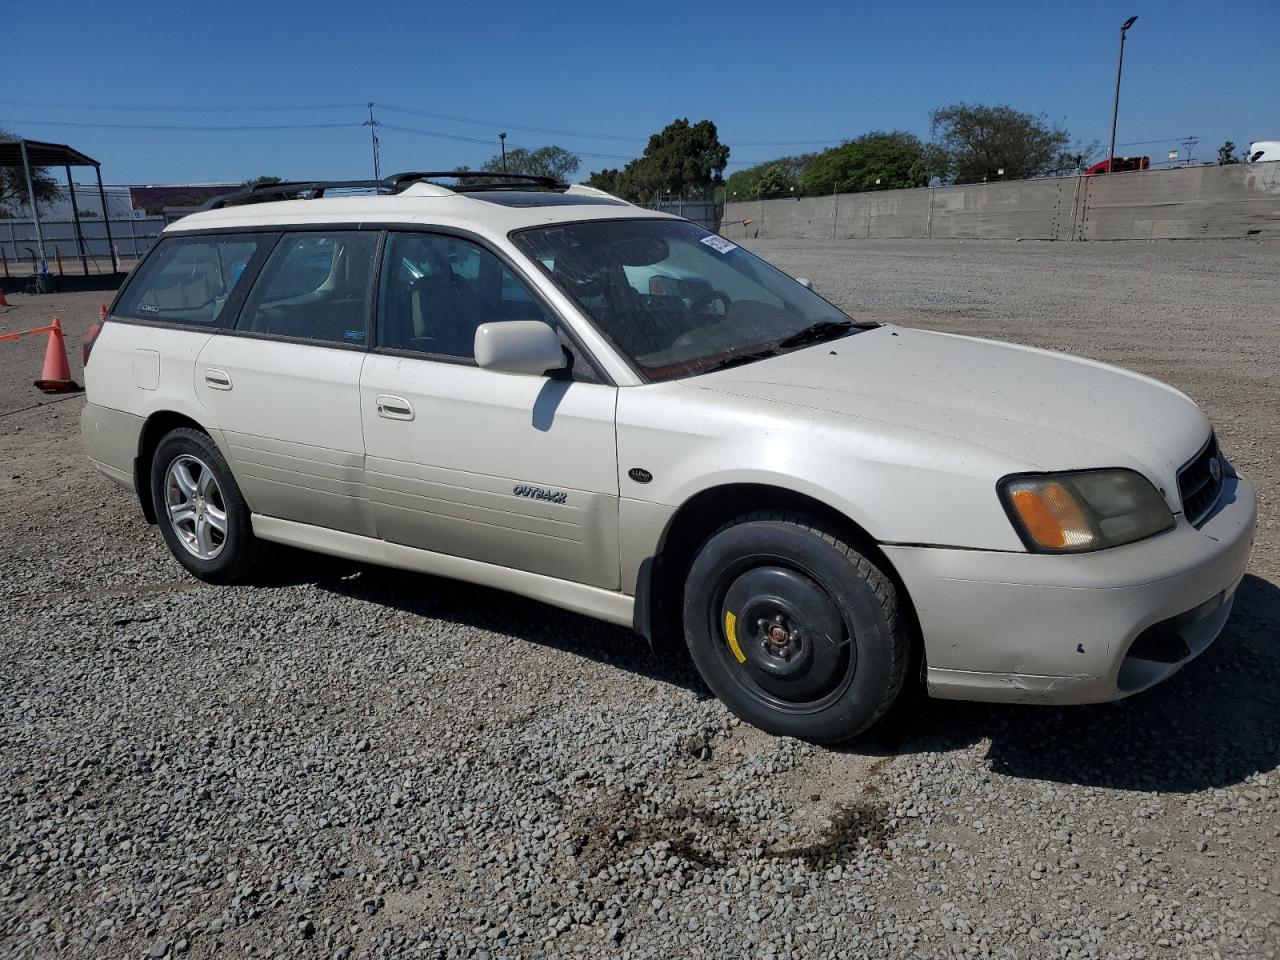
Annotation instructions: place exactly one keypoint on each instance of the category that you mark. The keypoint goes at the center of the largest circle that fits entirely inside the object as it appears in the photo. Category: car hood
(1042, 410)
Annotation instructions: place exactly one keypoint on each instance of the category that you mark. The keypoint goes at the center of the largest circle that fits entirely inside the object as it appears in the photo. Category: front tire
(200, 510)
(794, 629)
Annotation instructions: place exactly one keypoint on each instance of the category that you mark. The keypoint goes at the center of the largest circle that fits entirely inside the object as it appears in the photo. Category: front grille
(1200, 483)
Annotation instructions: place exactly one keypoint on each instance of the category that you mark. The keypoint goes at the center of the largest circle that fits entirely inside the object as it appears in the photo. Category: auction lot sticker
(719, 244)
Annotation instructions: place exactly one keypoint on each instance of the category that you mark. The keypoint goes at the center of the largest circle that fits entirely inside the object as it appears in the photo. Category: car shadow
(497, 611)
(1213, 724)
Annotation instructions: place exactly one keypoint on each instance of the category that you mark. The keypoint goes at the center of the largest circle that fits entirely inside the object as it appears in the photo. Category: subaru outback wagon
(547, 390)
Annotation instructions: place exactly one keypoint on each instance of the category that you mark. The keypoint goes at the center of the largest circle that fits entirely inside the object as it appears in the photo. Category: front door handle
(217, 379)
(393, 408)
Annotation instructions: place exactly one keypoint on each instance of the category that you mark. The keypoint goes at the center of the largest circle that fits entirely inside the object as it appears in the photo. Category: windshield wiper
(817, 332)
(741, 358)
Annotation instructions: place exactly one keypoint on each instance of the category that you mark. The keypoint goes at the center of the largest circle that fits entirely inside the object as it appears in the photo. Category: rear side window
(189, 279)
(314, 286)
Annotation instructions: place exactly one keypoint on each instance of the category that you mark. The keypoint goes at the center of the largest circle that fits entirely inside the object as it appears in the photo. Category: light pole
(1115, 109)
(502, 139)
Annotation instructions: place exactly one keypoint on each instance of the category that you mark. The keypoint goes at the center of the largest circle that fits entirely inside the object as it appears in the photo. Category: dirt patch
(853, 827)
(703, 837)
(709, 839)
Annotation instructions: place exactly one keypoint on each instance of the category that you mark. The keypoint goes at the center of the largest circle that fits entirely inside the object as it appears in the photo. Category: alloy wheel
(195, 507)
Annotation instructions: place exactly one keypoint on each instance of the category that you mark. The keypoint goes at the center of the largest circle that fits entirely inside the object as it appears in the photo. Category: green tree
(771, 178)
(261, 182)
(977, 141)
(13, 185)
(1227, 154)
(896, 159)
(606, 180)
(682, 159)
(555, 162)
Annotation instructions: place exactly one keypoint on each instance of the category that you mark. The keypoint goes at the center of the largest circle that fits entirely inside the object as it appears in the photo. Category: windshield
(676, 299)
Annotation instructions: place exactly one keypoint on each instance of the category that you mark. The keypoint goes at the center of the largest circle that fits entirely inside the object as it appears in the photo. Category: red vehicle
(1119, 165)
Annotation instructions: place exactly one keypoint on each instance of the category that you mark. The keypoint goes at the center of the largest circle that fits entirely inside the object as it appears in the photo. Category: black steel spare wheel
(787, 636)
(796, 630)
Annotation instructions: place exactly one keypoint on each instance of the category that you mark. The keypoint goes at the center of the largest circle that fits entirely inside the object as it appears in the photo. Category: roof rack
(514, 181)
(310, 189)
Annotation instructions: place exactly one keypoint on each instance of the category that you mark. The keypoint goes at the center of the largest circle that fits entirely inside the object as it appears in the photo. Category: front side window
(314, 286)
(436, 290)
(188, 280)
(677, 300)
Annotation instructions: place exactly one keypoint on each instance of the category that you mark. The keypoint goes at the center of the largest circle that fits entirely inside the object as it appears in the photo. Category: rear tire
(200, 510)
(794, 629)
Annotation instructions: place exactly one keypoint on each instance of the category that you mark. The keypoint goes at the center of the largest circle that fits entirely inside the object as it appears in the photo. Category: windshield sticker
(719, 244)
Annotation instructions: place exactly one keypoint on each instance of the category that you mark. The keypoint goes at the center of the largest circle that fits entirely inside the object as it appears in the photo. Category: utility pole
(372, 124)
(502, 140)
(1189, 145)
(1115, 109)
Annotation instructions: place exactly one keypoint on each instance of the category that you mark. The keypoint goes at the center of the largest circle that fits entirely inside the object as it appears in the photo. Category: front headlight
(1083, 510)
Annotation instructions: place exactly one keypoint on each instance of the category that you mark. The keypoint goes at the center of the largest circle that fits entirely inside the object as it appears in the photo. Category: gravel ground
(345, 761)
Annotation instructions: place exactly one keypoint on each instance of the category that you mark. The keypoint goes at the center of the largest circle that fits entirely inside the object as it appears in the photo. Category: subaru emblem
(1215, 469)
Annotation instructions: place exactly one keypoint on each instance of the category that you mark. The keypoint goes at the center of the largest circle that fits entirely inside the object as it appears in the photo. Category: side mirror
(518, 346)
(805, 282)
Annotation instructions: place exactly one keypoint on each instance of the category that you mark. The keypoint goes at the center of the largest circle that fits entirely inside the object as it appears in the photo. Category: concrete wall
(1233, 201)
(1241, 200)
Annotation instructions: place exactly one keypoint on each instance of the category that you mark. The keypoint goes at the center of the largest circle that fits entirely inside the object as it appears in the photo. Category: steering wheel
(696, 303)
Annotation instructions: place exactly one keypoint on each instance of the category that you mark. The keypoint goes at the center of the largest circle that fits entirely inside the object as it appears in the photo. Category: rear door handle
(217, 379)
(393, 408)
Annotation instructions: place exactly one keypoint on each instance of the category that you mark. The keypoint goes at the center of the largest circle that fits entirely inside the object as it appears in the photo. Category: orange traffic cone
(56, 377)
(102, 312)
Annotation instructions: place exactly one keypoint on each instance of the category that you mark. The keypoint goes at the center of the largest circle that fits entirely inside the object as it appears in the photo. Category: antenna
(372, 124)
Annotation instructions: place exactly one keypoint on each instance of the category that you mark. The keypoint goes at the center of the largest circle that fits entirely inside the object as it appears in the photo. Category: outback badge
(538, 493)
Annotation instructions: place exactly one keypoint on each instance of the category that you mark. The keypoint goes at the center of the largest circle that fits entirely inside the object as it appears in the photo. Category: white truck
(1263, 150)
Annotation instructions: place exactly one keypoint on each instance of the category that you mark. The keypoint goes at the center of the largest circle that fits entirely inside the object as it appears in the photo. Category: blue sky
(764, 72)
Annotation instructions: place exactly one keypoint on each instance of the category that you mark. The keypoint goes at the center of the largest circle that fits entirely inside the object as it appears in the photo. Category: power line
(184, 126)
(248, 128)
(413, 111)
(488, 141)
(557, 132)
(257, 108)
(553, 131)
(224, 128)
(1143, 143)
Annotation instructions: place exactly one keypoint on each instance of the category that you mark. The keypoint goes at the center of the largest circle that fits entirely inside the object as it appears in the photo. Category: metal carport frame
(36, 153)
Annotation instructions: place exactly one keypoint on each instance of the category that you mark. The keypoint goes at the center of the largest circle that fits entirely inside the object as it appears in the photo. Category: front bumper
(1036, 628)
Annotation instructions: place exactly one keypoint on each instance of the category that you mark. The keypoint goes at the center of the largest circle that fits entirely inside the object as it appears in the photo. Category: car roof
(495, 212)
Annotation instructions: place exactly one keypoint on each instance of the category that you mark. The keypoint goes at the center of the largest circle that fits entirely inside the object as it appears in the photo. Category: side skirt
(595, 602)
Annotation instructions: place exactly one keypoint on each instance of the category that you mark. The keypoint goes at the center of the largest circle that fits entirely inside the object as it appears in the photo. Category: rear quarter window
(189, 280)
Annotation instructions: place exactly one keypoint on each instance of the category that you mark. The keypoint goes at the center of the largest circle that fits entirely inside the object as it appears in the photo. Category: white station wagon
(547, 390)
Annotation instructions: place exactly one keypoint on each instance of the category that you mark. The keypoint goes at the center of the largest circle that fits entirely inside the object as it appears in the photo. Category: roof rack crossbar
(516, 180)
(309, 188)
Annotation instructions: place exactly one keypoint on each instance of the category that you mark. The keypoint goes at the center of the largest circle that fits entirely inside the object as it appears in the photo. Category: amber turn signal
(1082, 510)
(1052, 517)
